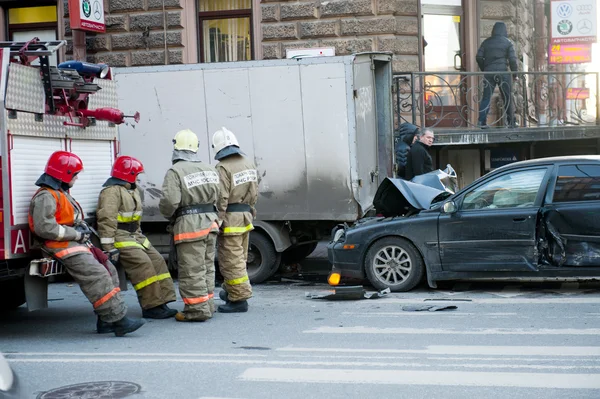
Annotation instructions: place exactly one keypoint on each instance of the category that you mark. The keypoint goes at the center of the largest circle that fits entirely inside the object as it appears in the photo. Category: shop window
(28, 22)
(225, 30)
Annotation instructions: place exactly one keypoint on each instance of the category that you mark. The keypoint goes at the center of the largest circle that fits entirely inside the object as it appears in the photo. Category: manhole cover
(93, 390)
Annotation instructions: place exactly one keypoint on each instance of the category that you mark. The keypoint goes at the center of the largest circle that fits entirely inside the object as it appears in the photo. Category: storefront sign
(87, 15)
(578, 94)
(573, 21)
(501, 156)
(570, 53)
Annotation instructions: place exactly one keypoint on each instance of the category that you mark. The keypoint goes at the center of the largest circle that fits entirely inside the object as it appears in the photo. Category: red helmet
(63, 165)
(127, 168)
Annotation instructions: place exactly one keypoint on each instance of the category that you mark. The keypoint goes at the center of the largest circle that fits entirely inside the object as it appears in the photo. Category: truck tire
(394, 263)
(263, 259)
(298, 254)
(12, 294)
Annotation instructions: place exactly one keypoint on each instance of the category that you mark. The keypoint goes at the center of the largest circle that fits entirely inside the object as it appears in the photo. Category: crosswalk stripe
(442, 331)
(412, 377)
(555, 351)
(495, 301)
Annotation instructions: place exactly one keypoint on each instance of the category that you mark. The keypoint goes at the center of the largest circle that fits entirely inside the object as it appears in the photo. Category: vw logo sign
(564, 10)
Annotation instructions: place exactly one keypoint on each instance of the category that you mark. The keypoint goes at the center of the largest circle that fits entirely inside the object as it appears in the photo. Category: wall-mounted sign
(502, 156)
(570, 53)
(575, 93)
(87, 15)
(310, 52)
(573, 21)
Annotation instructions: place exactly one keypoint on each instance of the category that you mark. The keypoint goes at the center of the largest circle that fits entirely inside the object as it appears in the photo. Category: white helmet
(186, 140)
(223, 138)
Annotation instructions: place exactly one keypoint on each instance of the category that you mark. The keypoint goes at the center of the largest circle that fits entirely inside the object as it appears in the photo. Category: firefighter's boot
(234, 307)
(126, 326)
(224, 296)
(181, 317)
(103, 327)
(158, 312)
(172, 312)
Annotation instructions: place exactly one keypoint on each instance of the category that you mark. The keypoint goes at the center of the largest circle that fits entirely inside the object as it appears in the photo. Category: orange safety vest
(64, 215)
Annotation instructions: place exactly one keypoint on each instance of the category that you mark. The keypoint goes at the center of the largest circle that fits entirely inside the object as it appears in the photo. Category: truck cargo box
(319, 129)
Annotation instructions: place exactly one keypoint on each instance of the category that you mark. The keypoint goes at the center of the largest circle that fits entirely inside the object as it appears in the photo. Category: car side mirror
(449, 207)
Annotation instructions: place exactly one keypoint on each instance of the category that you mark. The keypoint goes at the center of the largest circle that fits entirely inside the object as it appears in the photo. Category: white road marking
(495, 301)
(359, 364)
(441, 331)
(427, 313)
(466, 350)
(132, 354)
(411, 377)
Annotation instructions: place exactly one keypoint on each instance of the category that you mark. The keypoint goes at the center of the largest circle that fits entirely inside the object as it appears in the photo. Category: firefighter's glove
(83, 233)
(113, 255)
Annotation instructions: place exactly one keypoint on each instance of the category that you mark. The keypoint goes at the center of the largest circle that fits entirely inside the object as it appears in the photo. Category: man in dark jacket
(493, 55)
(407, 133)
(419, 160)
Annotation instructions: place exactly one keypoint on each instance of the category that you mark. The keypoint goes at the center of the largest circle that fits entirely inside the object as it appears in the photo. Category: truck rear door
(366, 131)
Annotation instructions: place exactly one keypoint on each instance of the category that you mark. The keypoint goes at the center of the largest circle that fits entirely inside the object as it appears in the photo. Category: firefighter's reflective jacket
(52, 215)
(119, 215)
(190, 193)
(239, 193)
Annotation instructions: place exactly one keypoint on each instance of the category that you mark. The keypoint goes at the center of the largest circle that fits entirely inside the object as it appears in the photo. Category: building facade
(434, 42)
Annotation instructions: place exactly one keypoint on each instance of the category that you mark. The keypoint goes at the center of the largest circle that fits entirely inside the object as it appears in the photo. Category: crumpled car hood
(397, 197)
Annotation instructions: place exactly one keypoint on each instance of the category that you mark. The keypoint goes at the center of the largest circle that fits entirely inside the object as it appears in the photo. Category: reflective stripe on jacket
(238, 185)
(52, 214)
(186, 184)
(119, 204)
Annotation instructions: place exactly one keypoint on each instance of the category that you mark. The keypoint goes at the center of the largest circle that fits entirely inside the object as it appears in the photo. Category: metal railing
(462, 100)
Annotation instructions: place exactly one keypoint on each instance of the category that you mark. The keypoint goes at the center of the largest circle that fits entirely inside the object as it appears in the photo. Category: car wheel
(394, 263)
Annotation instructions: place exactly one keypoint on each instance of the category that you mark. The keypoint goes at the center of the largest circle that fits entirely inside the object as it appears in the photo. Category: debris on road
(427, 308)
(347, 293)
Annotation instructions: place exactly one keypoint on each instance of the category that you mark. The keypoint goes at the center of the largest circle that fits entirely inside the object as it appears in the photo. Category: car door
(494, 226)
(573, 210)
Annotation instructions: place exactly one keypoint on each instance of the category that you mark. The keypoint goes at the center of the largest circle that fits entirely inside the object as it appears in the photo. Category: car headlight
(339, 234)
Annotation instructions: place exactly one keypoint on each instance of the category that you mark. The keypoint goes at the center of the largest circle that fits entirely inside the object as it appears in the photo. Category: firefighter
(56, 220)
(190, 192)
(119, 214)
(239, 192)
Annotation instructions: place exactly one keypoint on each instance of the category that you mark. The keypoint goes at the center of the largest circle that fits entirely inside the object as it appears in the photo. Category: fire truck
(46, 108)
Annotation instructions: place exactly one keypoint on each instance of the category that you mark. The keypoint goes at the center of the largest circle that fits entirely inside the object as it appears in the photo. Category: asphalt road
(504, 340)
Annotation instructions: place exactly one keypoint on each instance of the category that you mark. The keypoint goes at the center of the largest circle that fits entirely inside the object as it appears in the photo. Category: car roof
(552, 160)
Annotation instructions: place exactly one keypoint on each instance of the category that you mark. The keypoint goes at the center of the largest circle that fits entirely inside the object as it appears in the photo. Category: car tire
(263, 259)
(12, 294)
(394, 263)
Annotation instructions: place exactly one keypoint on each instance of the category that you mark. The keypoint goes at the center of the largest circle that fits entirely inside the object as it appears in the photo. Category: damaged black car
(537, 218)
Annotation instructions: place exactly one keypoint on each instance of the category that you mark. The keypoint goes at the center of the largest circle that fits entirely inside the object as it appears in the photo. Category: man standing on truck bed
(239, 193)
(56, 220)
(119, 215)
(190, 192)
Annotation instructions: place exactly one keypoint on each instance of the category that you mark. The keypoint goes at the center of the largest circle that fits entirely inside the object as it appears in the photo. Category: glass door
(443, 92)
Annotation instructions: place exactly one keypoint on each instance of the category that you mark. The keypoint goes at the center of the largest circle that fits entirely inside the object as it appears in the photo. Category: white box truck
(319, 130)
